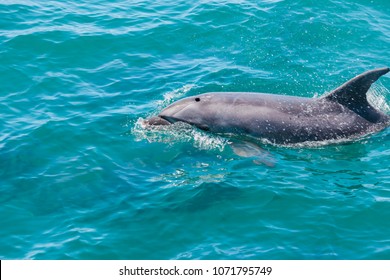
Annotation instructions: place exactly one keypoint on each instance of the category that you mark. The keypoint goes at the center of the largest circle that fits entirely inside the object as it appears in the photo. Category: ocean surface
(81, 178)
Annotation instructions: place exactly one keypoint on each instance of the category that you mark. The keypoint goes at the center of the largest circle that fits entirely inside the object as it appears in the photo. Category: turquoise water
(81, 179)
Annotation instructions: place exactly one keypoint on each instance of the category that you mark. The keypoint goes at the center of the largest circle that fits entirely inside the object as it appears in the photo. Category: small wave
(176, 133)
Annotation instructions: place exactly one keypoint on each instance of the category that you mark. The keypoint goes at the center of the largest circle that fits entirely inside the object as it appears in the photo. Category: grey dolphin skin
(342, 113)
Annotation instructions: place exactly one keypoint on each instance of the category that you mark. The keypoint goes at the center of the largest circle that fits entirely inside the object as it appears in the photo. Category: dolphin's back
(282, 119)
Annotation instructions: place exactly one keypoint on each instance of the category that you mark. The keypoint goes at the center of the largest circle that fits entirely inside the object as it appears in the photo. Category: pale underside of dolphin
(341, 114)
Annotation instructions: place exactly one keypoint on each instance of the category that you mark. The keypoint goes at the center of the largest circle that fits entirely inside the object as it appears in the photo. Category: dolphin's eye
(197, 99)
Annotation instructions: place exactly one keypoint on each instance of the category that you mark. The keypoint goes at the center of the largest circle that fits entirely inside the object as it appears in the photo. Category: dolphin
(344, 113)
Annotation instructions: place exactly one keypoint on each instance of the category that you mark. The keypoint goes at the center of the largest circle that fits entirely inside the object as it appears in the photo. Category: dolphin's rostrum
(343, 113)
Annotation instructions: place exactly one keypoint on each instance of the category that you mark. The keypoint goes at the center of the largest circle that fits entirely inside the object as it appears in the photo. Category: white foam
(178, 133)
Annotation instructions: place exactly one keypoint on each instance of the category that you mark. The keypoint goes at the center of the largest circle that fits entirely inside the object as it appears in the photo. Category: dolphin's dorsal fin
(353, 94)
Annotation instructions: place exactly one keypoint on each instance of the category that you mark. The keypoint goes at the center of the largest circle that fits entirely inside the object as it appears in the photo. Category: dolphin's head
(192, 110)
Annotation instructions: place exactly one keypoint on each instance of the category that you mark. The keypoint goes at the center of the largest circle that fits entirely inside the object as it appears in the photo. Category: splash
(178, 133)
(377, 96)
